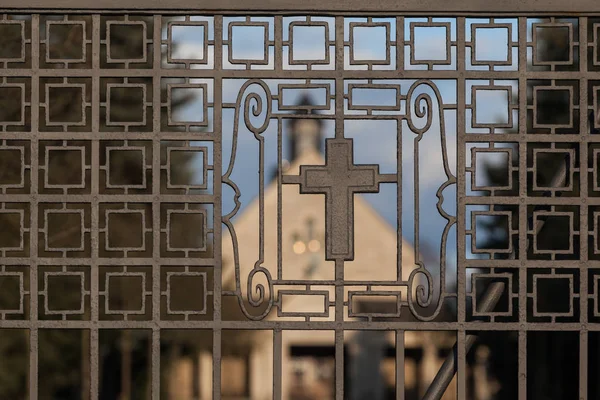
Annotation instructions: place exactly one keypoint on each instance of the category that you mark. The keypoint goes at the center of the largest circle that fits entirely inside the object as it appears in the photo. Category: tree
(552, 357)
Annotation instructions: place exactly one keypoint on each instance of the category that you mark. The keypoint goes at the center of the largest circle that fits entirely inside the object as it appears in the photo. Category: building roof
(375, 241)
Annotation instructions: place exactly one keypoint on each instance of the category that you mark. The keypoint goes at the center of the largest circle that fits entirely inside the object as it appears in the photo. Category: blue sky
(375, 141)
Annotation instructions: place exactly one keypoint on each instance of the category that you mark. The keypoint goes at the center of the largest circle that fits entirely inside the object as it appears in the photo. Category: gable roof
(375, 239)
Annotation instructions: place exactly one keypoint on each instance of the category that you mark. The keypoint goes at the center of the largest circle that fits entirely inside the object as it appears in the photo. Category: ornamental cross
(339, 179)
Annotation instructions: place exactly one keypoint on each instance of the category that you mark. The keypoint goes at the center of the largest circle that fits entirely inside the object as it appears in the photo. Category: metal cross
(339, 179)
(311, 243)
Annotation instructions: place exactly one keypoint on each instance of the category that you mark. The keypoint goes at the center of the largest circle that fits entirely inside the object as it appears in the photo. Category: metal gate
(149, 212)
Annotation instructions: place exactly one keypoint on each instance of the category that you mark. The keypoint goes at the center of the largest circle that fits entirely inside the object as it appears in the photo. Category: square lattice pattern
(101, 201)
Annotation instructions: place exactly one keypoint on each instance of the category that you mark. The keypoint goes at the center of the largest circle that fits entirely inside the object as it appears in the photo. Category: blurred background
(187, 105)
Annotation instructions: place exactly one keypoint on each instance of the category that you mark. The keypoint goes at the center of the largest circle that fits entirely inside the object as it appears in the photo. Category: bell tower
(305, 134)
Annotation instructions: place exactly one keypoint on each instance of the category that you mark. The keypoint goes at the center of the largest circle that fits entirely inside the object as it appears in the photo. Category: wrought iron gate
(177, 244)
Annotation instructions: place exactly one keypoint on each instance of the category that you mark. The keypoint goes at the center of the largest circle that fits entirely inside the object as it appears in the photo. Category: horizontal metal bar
(113, 136)
(302, 325)
(106, 198)
(530, 264)
(101, 261)
(537, 201)
(352, 13)
(279, 73)
(314, 6)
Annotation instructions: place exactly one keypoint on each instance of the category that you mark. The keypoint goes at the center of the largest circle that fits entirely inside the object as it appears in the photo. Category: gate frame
(456, 9)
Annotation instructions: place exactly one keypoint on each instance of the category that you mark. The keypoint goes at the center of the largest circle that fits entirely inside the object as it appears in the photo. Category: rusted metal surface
(427, 89)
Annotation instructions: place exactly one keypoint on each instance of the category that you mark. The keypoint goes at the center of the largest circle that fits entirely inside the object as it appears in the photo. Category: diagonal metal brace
(446, 373)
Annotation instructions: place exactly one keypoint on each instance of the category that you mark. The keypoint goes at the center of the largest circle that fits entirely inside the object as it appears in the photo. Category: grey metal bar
(310, 6)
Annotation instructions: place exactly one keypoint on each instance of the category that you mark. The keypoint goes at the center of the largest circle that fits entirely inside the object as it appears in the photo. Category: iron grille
(240, 100)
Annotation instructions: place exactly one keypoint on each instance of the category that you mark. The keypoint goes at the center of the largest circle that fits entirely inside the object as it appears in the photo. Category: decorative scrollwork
(420, 112)
(421, 108)
(259, 295)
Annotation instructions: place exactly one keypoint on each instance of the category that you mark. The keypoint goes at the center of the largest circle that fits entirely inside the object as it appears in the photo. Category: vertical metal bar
(522, 256)
(399, 365)
(278, 64)
(522, 352)
(462, 273)
(339, 264)
(94, 267)
(156, 208)
(583, 364)
(584, 131)
(217, 157)
(277, 364)
(33, 237)
(278, 43)
(339, 77)
(339, 331)
(399, 139)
